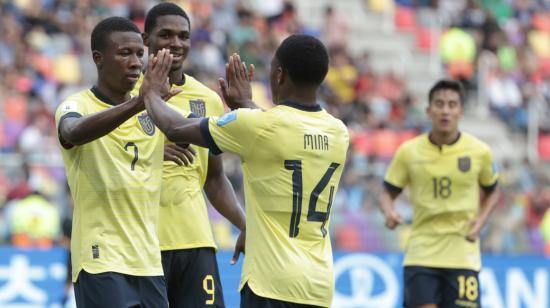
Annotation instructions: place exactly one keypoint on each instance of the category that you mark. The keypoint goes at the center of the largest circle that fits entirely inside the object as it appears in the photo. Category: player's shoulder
(337, 124)
(334, 120)
(474, 142)
(240, 116)
(198, 87)
(76, 100)
(415, 142)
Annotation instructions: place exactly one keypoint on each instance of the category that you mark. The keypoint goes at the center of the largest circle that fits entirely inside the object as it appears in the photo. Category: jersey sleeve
(397, 175)
(234, 132)
(488, 176)
(67, 109)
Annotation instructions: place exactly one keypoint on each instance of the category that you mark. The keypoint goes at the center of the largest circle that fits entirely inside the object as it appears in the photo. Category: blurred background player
(186, 240)
(444, 169)
(297, 150)
(113, 159)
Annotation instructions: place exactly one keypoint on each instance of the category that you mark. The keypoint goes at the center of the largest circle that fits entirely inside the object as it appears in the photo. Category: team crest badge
(198, 107)
(464, 163)
(146, 124)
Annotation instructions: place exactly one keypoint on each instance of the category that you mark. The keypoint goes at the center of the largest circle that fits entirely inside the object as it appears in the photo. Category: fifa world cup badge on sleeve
(227, 118)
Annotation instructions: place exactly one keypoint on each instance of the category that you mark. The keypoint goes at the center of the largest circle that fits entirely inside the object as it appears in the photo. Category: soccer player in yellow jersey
(113, 159)
(186, 240)
(292, 158)
(444, 170)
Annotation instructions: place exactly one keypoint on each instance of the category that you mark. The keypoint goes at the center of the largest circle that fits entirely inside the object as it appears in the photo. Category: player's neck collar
(439, 145)
(102, 97)
(304, 107)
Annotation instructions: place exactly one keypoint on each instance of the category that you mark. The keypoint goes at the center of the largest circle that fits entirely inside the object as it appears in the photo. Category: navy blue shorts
(192, 278)
(442, 286)
(250, 300)
(117, 290)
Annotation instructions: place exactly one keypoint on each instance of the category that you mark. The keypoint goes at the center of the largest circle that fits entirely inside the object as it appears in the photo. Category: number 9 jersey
(444, 186)
(115, 184)
(292, 159)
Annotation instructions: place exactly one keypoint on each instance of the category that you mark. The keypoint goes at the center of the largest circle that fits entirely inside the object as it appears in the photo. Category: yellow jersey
(114, 181)
(444, 186)
(183, 217)
(292, 159)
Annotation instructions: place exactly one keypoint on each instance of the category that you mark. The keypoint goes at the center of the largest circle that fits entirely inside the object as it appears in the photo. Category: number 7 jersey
(115, 184)
(292, 159)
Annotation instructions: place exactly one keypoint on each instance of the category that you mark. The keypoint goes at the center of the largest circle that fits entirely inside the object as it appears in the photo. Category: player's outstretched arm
(236, 90)
(488, 203)
(81, 130)
(155, 84)
(220, 193)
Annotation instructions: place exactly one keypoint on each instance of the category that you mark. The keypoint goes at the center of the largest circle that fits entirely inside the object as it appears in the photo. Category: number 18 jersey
(292, 159)
(444, 186)
(115, 184)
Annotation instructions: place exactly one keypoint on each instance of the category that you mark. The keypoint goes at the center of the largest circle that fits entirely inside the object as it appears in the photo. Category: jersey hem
(187, 246)
(283, 298)
(126, 271)
(442, 265)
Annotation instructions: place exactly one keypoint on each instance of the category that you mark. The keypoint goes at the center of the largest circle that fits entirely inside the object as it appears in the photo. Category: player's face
(445, 110)
(171, 32)
(122, 61)
(275, 75)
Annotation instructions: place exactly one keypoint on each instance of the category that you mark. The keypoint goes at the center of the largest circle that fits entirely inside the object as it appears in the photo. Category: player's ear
(281, 75)
(145, 37)
(98, 58)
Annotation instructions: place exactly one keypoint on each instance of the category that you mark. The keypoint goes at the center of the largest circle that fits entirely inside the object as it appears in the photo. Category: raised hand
(156, 77)
(236, 90)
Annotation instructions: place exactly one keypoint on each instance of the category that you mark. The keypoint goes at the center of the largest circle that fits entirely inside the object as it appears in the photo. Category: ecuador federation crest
(146, 124)
(198, 107)
(464, 163)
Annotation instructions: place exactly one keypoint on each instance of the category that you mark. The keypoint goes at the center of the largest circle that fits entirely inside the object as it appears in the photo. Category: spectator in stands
(335, 31)
(34, 222)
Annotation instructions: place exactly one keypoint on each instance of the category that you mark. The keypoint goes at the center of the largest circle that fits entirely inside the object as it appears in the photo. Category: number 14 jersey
(292, 159)
(115, 184)
(444, 190)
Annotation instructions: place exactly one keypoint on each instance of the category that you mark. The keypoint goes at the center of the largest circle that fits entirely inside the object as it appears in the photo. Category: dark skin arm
(387, 205)
(488, 203)
(220, 193)
(187, 130)
(176, 127)
(78, 131)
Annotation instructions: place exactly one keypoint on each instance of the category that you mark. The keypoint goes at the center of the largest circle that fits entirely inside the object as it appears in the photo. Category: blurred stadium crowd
(498, 48)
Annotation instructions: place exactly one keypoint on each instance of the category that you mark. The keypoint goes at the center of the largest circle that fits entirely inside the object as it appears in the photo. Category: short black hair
(446, 84)
(163, 9)
(304, 57)
(107, 26)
